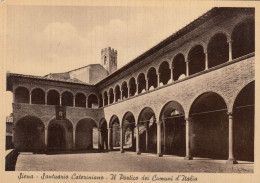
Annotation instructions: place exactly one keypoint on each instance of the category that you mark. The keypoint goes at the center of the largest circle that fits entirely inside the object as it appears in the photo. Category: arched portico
(29, 134)
(114, 133)
(147, 130)
(86, 134)
(243, 126)
(208, 127)
(60, 135)
(173, 134)
(128, 125)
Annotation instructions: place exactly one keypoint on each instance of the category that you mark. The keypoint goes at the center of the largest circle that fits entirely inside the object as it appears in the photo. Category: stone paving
(126, 162)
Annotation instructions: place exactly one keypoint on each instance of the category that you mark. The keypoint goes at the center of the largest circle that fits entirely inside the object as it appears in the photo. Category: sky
(44, 39)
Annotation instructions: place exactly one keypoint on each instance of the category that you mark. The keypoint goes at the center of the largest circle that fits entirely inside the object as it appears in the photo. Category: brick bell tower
(109, 59)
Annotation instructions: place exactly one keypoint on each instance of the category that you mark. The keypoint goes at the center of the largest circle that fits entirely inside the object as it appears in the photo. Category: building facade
(191, 95)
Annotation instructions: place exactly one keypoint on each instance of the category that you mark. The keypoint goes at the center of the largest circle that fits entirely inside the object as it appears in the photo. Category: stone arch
(60, 135)
(196, 59)
(124, 89)
(243, 37)
(67, 98)
(80, 99)
(86, 134)
(173, 132)
(38, 96)
(164, 73)
(208, 126)
(244, 122)
(92, 101)
(218, 50)
(114, 125)
(141, 81)
(111, 96)
(53, 97)
(105, 98)
(132, 86)
(128, 125)
(147, 130)
(104, 134)
(152, 78)
(29, 134)
(22, 95)
(117, 93)
(179, 67)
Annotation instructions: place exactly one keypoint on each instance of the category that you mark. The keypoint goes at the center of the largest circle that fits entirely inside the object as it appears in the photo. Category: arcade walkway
(126, 162)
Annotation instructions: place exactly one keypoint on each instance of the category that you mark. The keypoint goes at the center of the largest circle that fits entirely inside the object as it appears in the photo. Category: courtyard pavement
(125, 162)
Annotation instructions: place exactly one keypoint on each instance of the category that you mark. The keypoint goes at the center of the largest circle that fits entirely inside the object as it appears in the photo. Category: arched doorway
(147, 130)
(208, 127)
(173, 131)
(244, 123)
(115, 133)
(60, 135)
(129, 136)
(29, 134)
(53, 97)
(86, 134)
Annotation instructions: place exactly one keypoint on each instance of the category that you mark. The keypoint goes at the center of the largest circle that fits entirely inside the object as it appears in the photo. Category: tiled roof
(76, 81)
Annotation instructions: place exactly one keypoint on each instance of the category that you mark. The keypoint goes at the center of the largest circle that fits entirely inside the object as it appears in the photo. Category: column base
(188, 158)
(231, 161)
(138, 153)
(159, 155)
(122, 151)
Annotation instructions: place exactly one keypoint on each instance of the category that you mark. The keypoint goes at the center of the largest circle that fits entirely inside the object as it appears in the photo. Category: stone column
(60, 99)
(146, 136)
(231, 159)
(187, 68)
(87, 102)
(128, 91)
(13, 132)
(147, 84)
(109, 139)
(14, 97)
(171, 80)
(230, 50)
(74, 101)
(99, 138)
(206, 61)
(74, 137)
(188, 156)
(103, 100)
(30, 98)
(137, 87)
(159, 139)
(158, 79)
(46, 137)
(137, 139)
(121, 139)
(46, 94)
(108, 97)
(164, 135)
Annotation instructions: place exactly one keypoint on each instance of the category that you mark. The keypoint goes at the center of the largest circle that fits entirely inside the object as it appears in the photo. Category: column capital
(159, 122)
(187, 60)
(46, 127)
(229, 40)
(230, 114)
(109, 128)
(187, 119)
